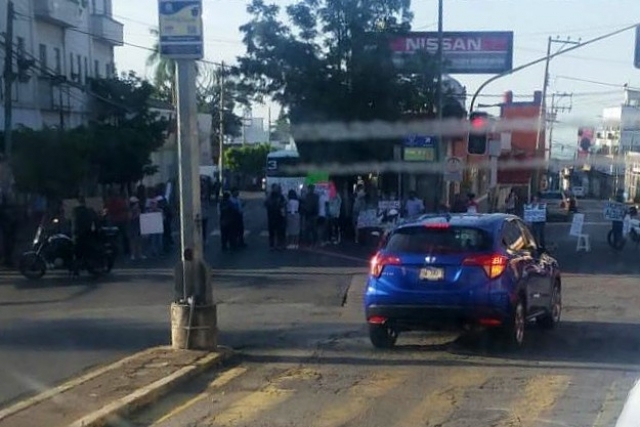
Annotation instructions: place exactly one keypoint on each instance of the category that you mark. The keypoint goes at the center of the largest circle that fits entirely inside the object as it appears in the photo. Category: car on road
(461, 271)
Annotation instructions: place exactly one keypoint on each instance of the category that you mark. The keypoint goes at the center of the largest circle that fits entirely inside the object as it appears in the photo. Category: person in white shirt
(293, 220)
(334, 209)
(413, 206)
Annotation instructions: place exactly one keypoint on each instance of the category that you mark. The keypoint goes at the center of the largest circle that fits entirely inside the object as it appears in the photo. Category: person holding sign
(536, 215)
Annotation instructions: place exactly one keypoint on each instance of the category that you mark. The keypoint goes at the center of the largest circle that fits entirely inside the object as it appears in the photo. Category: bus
(276, 171)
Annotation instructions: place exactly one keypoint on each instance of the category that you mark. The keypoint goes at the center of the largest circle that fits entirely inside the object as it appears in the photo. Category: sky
(593, 74)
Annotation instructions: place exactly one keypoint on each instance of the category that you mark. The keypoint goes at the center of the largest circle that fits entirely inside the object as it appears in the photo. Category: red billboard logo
(475, 52)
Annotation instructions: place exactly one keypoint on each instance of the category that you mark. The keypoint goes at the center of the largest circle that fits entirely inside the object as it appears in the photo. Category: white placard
(535, 212)
(577, 224)
(151, 223)
(614, 211)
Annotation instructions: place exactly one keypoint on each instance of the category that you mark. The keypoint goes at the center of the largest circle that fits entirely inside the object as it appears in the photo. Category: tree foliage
(114, 148)
(126, 131)
(248, 159)
(330, 60)
(209, 89)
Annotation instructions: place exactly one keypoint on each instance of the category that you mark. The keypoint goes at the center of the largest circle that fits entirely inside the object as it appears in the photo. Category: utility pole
(556, 99)
(9, 78)
(542, 119)
(221, 82)
(193, 311)
(442, 147)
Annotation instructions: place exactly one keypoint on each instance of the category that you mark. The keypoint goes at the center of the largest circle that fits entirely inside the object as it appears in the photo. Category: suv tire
(382, 336)
(550, 319)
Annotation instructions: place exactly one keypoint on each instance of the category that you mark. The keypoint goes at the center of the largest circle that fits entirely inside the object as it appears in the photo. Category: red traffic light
(478, 122)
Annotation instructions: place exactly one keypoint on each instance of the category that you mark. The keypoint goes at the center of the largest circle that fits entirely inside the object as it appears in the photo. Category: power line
(621, 86)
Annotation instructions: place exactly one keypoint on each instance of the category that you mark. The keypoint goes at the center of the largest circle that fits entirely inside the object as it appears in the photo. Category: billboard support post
(442, 146)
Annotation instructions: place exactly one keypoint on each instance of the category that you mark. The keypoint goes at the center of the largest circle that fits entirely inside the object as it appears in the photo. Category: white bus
(276, 171)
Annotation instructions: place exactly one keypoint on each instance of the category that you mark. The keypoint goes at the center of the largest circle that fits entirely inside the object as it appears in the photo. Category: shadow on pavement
(573, 342)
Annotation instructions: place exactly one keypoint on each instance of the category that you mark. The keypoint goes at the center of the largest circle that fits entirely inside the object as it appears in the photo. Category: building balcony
(107, 30)
(65, 13)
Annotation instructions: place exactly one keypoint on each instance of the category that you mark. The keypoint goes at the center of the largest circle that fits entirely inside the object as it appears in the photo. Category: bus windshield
(281, 166)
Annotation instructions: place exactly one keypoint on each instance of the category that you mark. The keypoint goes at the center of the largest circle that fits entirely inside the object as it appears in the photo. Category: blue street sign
(181, 34)
(420, 141)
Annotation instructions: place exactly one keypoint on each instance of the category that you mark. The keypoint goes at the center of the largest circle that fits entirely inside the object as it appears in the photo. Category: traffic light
(478, 135)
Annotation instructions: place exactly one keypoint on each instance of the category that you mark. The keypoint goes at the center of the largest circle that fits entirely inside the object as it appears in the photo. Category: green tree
(248, 159)
(330, 61)
(209, 89)
(164, 72)
(51, 163)
(125, 131)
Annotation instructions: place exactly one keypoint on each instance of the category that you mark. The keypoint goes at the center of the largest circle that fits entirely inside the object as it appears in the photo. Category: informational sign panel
(453, 169)
(418, 148)
(536, 212)
(181, 29)
(468, 52)
(614, 211)
(577, 225)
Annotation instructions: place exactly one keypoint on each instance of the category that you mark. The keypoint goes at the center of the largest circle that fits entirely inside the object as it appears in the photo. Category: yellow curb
(150, 393)
(24, 404)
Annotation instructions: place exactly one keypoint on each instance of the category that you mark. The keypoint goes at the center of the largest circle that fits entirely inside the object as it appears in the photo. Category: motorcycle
(53, 249)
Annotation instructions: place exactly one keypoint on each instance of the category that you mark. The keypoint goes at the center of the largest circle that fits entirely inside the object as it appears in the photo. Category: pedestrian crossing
(396, 395)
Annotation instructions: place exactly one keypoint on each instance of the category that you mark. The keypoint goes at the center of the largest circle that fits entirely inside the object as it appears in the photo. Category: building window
(96, 69)
(79, 67)
(20, 43)
(86, 68)
(94, 7)
(71, 67)
(57, 61)
(107, 70)
(42, 56)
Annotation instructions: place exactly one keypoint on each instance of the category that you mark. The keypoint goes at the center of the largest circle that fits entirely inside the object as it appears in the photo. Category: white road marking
(631, 412)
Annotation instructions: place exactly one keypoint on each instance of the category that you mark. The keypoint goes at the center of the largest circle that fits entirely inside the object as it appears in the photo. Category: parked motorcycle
(54, 249)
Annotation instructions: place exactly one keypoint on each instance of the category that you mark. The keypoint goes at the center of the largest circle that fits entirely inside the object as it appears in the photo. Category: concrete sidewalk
(104, 394)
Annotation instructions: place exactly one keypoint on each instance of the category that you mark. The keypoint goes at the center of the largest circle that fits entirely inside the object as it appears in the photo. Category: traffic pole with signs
(193, 312)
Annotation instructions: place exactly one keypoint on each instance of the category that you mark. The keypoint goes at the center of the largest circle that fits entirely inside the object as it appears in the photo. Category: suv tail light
(379, 261)
(493, 264)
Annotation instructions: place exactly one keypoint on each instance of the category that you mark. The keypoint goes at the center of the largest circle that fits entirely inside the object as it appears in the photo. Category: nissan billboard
(475, 52)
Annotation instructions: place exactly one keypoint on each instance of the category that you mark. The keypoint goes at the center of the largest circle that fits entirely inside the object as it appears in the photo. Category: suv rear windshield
(420, 239)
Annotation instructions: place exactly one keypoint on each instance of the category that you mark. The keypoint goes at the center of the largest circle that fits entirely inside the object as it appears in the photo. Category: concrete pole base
(202, 334)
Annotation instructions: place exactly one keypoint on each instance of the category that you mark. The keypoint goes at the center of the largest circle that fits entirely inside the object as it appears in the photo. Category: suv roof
(461, 220)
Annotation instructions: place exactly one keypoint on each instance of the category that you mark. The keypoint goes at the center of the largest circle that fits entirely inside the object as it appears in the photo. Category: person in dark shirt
(84, 223)
(227, 218)
(276, 206)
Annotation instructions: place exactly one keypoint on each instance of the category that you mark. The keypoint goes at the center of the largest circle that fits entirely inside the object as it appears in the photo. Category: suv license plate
(431, 273)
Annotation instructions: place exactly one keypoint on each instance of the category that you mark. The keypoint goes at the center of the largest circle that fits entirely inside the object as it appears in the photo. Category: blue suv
(460, 271)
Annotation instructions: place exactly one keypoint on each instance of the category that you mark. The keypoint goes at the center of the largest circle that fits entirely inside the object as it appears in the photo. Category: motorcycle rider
(84, 224)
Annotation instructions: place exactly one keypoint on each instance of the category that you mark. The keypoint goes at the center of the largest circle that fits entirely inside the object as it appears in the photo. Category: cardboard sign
(614, 211)
(151, 223)
(577, 224)
(536, 212)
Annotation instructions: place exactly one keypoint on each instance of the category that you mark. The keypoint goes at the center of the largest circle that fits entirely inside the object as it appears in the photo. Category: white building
(67, 42)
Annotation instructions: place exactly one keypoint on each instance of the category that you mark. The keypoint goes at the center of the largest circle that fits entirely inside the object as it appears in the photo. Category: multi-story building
(616, 139)
(58, 46)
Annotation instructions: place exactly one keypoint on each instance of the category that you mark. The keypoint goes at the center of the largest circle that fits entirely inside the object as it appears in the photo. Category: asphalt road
(305, 358)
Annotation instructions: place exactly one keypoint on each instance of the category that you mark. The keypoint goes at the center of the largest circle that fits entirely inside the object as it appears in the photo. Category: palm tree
(164, 71)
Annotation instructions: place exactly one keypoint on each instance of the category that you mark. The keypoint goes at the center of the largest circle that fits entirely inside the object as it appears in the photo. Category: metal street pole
(221, 82)
(9, 78)
(539, 60)
(193, 312)
(442, 147)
